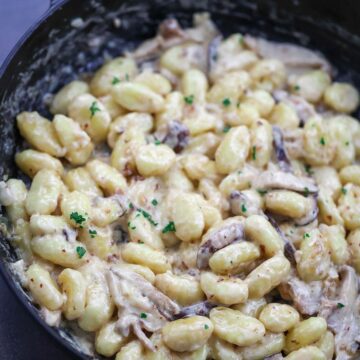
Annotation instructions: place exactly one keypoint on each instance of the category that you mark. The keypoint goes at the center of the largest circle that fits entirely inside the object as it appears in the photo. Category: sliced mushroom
(177, 136)
(289, 248)
(280, 150)
(293, 56)
(201, 309)
(140, 305)
(282, 180)
(310, 216)
(305, 296)
(341, 312)
(217, 238)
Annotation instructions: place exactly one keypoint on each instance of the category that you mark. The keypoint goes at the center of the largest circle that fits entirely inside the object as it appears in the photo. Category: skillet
(75, 36)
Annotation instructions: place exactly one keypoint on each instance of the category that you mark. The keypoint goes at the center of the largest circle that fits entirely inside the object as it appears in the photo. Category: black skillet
(56, 50)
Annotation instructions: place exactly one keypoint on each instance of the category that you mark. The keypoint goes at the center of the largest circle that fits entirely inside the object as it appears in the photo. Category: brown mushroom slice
(293, 56)
(342, 314)
(282, 180)
(140, 305)
(310, 216)
(305, 296)
(202, 309)
(280, 150)
(217, 238)
(174, 134)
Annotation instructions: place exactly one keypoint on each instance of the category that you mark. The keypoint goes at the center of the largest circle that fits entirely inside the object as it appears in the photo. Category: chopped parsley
(94, 108)
(131, 206)
(306, 191)
(127, 78)
(347, 143)
(340, 305)
(189, 99)
(261, 192)
(78, 218)
(147, 216)
(344, 191)
(143, 315)
(157, 142)
(308, 170)
(92, 233)
(226, 102)
(253, 153)
(241, 40)
(243, 208)
(206, 326)
(80, 251)
(154, 202)
(296, 87)
(115, 80)
(226, 129)
(322, 141)
(238, 104)
(306, 235)
(170, 227)
(131, 227)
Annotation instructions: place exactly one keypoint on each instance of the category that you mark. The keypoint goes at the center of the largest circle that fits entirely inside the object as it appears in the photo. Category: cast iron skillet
(53, 52)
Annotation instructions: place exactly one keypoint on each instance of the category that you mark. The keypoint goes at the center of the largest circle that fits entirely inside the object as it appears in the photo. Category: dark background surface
(21, 337)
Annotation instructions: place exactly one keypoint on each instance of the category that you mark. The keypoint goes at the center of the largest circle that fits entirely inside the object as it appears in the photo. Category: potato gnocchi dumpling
(201, 206)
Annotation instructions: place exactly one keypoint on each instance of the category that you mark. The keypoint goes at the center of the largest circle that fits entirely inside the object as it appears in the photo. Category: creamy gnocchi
(197, 198)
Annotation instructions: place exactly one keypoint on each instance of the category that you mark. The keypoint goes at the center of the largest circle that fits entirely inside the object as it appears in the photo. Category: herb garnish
(127, 77)
(154, 202)
(189, 99)
(226, 129)
(340, 305)
(157, 142)
(131, 206)
(309, 170)
(306, 235)
(92, 233)
(170, 227)
(226, 102)
(243, 208)
(296, 87)
(94, 108)
(261, 192)
(253, 153)
(347, 143)
(131, 227)
(115, 80)
(344, 191)
(206, 326)
(143, 315)
(147, 216)
(78, 218)
(306, 191)
(322, 141)
(80, 251)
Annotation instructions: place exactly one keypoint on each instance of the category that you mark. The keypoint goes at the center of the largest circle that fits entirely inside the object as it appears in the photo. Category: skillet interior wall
(58, 52)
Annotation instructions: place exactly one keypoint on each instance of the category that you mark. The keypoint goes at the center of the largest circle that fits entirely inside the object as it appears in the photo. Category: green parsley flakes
(131, 206)
(322, 141)
(262, 192)
(147, 216)
(243, 208)
(154, 202)
(94, 108)
(189, 99)
(296, 87)
(226, 129)
(306, 235)
(308, 170)
(143, 315)
(115, 80)
(130, 226)
(92, 233)
(340, 305)
(127, 78)
(157, 142)
(344, 191)
(241, 40)
(80, 251)
(306, 191)
(253, 153)
(170, 227)
(226, 102)
(77, 218)
(347, 143)
(206, 326)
